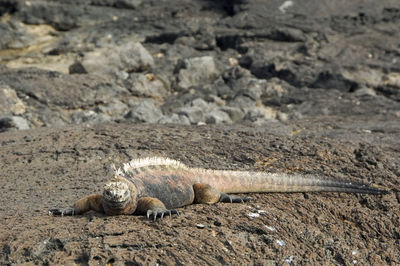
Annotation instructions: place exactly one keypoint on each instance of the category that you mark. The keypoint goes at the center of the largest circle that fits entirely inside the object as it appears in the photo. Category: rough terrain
(285, 86)
(44, 168)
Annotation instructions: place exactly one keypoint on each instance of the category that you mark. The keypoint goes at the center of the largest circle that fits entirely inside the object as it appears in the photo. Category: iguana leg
(92, 202)
(204, 193)
(152, 206)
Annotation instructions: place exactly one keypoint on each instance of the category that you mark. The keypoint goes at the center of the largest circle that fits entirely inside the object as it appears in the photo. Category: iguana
(156, 186)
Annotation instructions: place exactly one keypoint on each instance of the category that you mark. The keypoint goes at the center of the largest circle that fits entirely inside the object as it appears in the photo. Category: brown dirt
(49, 167)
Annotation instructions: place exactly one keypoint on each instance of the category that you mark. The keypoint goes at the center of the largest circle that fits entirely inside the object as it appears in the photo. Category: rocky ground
(305, 86)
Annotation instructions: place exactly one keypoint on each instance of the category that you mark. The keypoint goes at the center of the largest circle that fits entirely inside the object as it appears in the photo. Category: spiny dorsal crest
(149, 162)
(117, 172)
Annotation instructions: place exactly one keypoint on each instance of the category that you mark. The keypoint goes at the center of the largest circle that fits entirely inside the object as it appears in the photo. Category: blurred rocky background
(197, 62)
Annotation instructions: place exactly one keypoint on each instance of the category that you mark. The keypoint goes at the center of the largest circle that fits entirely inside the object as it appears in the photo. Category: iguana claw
(62, 212)
(233, 199)
(161, 213)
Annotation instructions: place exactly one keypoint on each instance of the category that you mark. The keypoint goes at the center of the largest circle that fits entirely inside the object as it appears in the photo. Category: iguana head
(119, 197)
(116, 192)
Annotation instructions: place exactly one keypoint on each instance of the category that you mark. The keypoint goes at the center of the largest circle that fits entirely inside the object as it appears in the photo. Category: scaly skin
(156, 186)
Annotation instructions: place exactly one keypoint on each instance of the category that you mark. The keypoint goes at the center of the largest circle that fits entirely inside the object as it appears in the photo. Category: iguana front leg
(93, 202)
(153, 206)
(204, 193)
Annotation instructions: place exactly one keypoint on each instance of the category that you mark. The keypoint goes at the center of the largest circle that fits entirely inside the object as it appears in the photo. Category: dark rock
(250, 87)
(293, 74)
(329, 80)
(115, 108)
(221, 88)
(286, 35)
(200, 104)
(66, 15)
(144, 112)
(214, 101)
(235, 73)
(149, 85)
(201, 41)
(77, 68)
(254, 114)
(117, 3)
(259, 113)
(235, 114)
(13, 122)
(242, 102)
(8, 6)
(196, 71)
(194, 114)
(129, 57)
(217, 117)
(217, 223)
(6, 36)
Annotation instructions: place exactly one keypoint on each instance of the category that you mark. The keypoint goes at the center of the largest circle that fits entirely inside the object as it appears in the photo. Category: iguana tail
(243, 182)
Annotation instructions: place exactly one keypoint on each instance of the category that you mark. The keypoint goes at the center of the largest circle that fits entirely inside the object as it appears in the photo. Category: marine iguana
(156, 186)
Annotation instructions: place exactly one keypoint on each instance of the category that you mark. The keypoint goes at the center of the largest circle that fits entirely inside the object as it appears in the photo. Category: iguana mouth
(116, 204)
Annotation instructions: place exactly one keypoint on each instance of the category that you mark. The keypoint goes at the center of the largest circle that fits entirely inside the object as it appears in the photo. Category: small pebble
(217, 223)
(280, 243)
(270, 228)
(253, 215)
(289, 260)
